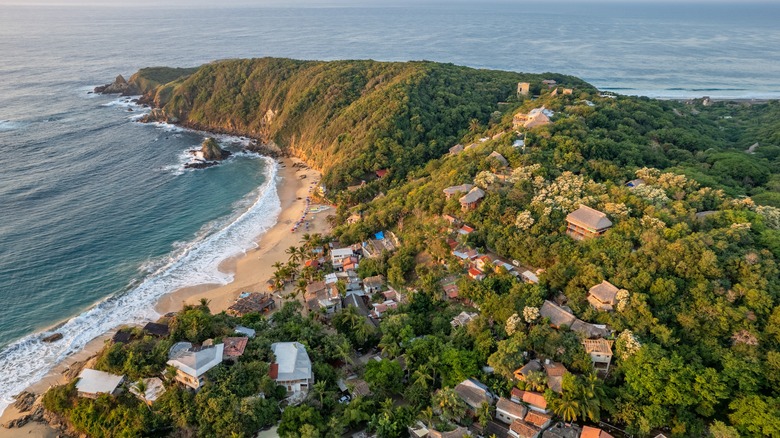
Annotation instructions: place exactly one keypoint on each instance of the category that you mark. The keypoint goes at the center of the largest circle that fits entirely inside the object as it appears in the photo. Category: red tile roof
(381, 173)
(234, 347)
(537, 419)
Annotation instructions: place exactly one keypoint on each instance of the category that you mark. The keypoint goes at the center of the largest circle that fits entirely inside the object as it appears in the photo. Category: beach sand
(251, 271)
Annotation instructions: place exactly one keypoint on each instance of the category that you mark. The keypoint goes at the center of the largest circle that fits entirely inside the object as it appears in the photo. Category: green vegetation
(349, 118)
(696, 329)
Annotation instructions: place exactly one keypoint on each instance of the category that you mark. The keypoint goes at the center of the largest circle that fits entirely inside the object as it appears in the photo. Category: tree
(536, 381)
(484, 414)
(448, 404)
(566, 406)
(508, 356)
(385, 376)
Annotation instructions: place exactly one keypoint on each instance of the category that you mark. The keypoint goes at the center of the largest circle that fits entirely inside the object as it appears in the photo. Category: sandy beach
(251, 271)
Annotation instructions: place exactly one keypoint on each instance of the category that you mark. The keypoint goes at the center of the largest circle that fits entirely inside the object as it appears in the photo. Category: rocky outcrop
(54, 337)
(211, 150)
(119, 86)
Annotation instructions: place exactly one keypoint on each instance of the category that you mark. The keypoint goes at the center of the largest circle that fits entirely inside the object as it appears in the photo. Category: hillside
(678, 286)
(348, 118)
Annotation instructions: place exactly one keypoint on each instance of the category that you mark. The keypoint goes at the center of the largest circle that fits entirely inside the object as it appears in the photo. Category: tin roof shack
(153, 389)
(92, 383)
(451, 191)
(586, 223)
(254, 302)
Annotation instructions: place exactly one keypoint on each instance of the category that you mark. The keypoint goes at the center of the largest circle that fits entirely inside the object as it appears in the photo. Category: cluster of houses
(291, 368)
(343, 288)
(524, 415)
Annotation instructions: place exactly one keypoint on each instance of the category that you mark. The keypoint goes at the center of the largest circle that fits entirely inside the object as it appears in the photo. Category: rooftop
(197, 363)
(234, 347)
(556, 314)
(154, 389)
(602, 346)
(473, 196)
(524, 430)
(254, 302)
(510, 407)
(293, 361)
(97, 382)
(604, 291)
(537, 419)
(589, 218)
(473, 392)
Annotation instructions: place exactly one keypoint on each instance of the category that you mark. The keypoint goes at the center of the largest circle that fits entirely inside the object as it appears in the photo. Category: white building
(192, 365)
(292, 368)
(92, 383)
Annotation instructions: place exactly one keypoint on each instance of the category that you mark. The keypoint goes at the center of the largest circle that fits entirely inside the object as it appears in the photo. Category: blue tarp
(380, 235)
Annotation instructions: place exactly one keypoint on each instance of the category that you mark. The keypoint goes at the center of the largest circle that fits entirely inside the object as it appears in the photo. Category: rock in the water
(53, 337)
(211, 150)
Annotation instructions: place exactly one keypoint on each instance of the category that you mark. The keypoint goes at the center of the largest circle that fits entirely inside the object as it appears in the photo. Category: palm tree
(566, 407)
(300, 287)
(422, 376)
(448, 403)
(204, 303)
(427, 416)
(293, 253)
(319, 389)
(306, 240)
(433, 363)
(536, 381)
(485, 414)
(140, 386)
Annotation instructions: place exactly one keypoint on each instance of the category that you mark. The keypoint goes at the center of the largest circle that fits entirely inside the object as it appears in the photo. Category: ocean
(98, 217)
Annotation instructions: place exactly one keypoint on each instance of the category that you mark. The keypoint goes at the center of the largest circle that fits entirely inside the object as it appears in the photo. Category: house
(340, 254)
(451, 291)
(523, 88)
(519, 143)
(254, 302)
(538, 419)
(536, 117)
(320, 295)
(549, 82)
(557, 315)
(449, 192)
(496, 429)
(246, 331)
(158, 330)
(381, 173)
(452, 220)
(522, 372)
(567, 91)
(465, 230)
(521, 429)
(563, 430)
(312, 263)
(471, 200)
(191, 364)
(358, 387)
(372, 285)
(476, 274)
(354, 218)
(588, 330)
(91, 383)
(509, 411)
(534, 400)
(593, 432)
(500, 158)
(635, 183)
(555, 372)
(234, 347)
(458, 148)
(600, 351)
(585, 223)
(122, 337)
(529, 277)
(602, 296)
(153, 389)
(474, 393)
(463, 319)
(292, 367)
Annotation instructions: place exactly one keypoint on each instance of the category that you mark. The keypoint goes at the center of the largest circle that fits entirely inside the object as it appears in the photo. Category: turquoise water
(95, 208)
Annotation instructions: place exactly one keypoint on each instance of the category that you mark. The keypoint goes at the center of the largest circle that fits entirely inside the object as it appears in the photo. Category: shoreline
(250, 271)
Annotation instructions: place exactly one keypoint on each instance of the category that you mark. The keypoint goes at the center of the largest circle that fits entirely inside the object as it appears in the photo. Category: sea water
(99, 217)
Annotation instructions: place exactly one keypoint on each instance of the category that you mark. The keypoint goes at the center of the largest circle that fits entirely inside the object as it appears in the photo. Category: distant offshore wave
(29, 359)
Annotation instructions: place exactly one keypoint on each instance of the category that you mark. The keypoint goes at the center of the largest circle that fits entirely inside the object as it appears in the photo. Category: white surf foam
(8, 125)
(29, 359)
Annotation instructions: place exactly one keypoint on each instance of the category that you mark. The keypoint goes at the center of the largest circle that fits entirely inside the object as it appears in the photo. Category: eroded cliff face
(119, 86)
